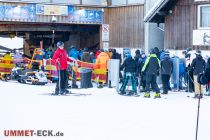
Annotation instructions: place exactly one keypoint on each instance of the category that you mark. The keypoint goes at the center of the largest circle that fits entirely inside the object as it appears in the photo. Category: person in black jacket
(142, 74)
(151, 68)
(204, 78)
(137, 56)
(115, 55)
(129, 67)
(198, 66)
(166, 71)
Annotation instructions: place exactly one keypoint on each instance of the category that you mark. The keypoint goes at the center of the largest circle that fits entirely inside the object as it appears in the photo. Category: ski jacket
(129, 65)
(97, 53)
(151, 65)
(102, 60)
(61, 56)
(140, 65)
(73, 52)
(198, 65)
(116, 55)
(205, 77)
(166, 66)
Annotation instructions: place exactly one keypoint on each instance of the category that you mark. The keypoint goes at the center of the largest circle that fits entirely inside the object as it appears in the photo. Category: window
(204, 16)
(119, 2)
(135, 1)
(94, 2)
(66, 1)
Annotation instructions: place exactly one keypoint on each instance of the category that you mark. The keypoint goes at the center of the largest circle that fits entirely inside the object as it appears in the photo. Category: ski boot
(74, 86)
(100, 86)
(130, 93)
(207, 93)
(147, 95)
(122, 93)
(66, 92)
(135, 94)
(56, 92)
(197, 96)
(157, 95)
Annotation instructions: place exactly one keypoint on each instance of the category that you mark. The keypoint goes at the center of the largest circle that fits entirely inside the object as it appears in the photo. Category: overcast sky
(13, 43)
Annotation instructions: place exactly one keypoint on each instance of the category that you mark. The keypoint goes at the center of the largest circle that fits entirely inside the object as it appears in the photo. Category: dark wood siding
(180, 25)
(126, 26)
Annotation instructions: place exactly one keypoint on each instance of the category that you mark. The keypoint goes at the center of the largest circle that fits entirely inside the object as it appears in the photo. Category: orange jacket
(102, 61)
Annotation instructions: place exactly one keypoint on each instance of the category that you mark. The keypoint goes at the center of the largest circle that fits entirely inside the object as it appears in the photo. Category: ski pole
(198, 113)
(59, 78)
(188, 80)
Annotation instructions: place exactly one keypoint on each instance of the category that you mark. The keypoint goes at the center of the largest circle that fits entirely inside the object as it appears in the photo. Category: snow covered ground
(100, 114)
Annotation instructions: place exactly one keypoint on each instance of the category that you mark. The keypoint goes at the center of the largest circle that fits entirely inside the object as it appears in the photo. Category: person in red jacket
(61, 59)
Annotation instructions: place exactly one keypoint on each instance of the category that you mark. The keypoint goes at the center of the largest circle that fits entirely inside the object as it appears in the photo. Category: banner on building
(18, 12)
(51, 10)
(82, 15)
(201, 37)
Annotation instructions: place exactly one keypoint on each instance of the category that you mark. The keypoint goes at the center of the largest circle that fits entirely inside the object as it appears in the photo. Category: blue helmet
(128, 55)
(60, 43)
(152, 51)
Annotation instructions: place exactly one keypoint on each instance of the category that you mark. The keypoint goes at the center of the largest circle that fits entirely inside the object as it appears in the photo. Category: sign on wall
(83, 15)
(51, 10)
(19, 12)
(106, 45)
(201, 37)
(105, 32)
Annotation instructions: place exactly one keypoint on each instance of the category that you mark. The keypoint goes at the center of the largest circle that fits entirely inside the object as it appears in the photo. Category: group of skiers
(147, 69)
(62, 58)
(141, 70)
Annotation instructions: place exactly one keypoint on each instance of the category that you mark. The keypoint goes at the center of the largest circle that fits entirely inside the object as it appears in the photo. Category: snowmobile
(29, 76)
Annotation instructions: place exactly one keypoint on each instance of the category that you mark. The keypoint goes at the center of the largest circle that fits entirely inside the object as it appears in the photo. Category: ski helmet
(60, 43)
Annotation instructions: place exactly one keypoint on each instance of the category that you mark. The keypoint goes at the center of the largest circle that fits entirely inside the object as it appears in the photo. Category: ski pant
(190, 80)
(63, 79)
(151, 79)
(198, 87)
(165, 81)
(126, 78)
(73, 76)
(143, 81)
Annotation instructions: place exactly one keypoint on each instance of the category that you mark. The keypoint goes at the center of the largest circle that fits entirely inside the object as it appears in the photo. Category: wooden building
(124, 17)
(186, 23)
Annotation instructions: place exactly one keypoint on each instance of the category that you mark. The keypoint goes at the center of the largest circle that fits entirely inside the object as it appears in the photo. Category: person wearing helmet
(129, 67)
(166, 71)
(61, 59)
(198, 66)
(74, 53)
(151, 68)
(204, 78)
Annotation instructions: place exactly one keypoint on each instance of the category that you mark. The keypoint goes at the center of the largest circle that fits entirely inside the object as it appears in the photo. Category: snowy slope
(100, 114)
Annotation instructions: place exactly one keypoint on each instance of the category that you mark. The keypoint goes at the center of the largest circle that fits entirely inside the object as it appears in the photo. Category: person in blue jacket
(74, 53)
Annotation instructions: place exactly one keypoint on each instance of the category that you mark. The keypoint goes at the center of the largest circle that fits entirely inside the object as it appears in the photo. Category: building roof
(160, 9)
